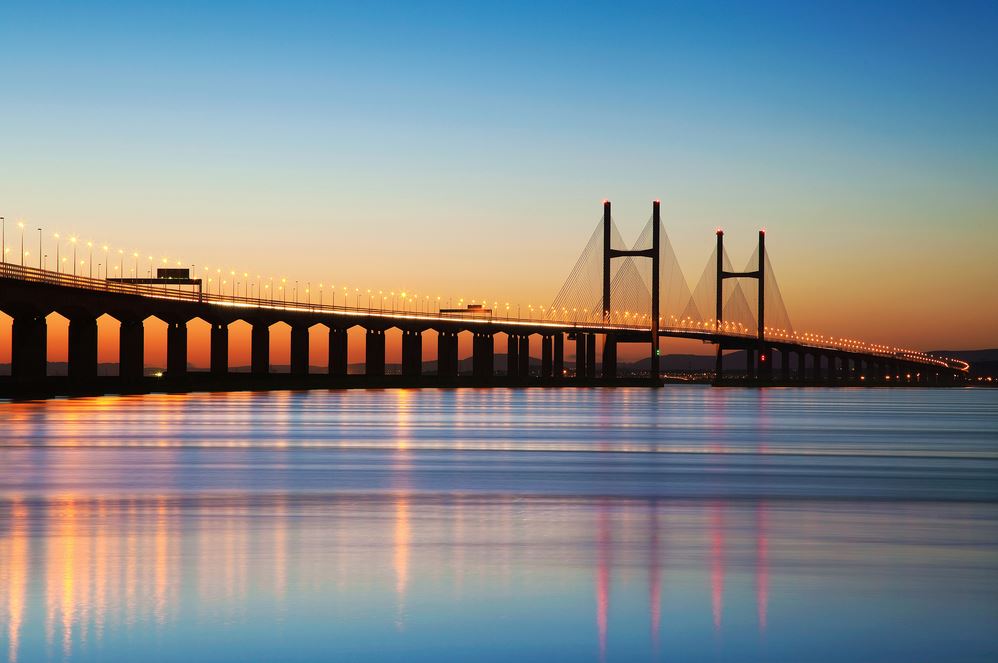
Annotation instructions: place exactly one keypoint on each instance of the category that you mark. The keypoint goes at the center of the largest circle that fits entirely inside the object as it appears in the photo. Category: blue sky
(403, 144)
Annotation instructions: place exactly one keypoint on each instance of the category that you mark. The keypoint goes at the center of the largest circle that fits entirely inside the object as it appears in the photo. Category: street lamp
(73, 240)
(39, 248)
(90, 245)
(20, 224)
(3, 239)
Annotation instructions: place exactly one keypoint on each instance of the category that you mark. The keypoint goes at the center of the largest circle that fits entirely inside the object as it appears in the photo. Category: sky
(463, 150)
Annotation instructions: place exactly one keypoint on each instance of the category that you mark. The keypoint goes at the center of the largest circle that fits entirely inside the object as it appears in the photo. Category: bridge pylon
(760, 275)
(609, 253)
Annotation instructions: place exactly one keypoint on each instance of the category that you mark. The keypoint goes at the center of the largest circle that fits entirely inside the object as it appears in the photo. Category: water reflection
(395, 527)
(144, 570)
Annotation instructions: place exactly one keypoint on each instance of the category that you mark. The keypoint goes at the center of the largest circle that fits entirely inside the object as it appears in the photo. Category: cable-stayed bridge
(614, 294)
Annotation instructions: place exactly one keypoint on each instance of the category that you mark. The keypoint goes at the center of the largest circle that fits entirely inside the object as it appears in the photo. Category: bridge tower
(609, 253)
(760, 275)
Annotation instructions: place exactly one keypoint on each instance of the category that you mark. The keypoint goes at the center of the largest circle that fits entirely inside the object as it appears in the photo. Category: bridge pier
(766, 364)
(260, 348)
(176, 348)
(131, 349)
(374, 355)
(483, 355)
(82, 348)
(749, 364)
(447, 354)
(219, 348)
(591, 355)
(299, 349)
(785, 364)
(546, 358)
(337, 361)
(512, 355)
(558, 361)
(609, 368)
(816, 372)
(412, 353)
(524, 357)
(580, 355)
(28, 346)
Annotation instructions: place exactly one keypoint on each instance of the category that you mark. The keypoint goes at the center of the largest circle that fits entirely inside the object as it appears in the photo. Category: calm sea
(680, 524)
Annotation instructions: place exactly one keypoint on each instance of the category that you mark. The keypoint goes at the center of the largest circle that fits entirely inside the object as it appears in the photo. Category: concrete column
(131, 350)
(29, 346)
(591, 357)
(580, 355)
(524, 356)
(83, 348)
(412, 353)
(447, 354)
(765, 363)
(374, 357)
(299, 349)
(785, 364)
(609, 369)
(558, 361)
(489, 344)
(512, 355)
(337, 351)
(546, 352)
(219, 348)
(260, 348)
(750, 364)
(176, 349)
(482, 358)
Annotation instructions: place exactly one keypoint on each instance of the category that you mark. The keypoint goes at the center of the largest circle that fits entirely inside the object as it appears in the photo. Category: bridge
(614, 295)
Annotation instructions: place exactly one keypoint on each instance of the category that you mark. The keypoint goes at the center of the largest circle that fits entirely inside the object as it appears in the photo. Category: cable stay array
(580, 297)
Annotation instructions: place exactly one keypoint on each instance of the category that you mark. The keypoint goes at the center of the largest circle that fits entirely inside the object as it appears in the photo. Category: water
(686, 523)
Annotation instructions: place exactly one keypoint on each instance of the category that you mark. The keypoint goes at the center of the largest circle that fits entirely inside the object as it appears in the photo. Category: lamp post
(73, 240)
(3, 239)
(39, 248)
(20, 224)
(90, 259)
(58, 264)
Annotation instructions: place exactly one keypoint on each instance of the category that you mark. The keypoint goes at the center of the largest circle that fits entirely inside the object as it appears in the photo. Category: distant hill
(982, 362)
(968, 355)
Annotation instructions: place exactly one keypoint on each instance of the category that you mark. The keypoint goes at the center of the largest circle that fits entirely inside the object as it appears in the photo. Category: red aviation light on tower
(762, 231)
(719, 231)
(605, 201)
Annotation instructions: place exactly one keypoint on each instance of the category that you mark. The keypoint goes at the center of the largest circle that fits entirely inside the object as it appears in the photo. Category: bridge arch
(56, 344)
(199, 344)
(279, 348)
(154, 332)
(6, 327)
(108, 345)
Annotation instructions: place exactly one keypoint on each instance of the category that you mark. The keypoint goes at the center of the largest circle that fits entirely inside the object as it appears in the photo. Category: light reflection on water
(597, 525)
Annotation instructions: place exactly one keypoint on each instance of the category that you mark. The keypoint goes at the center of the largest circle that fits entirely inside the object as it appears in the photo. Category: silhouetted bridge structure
(614, 295)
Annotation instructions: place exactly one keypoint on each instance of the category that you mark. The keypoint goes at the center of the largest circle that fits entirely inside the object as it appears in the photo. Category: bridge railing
(187, 293)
